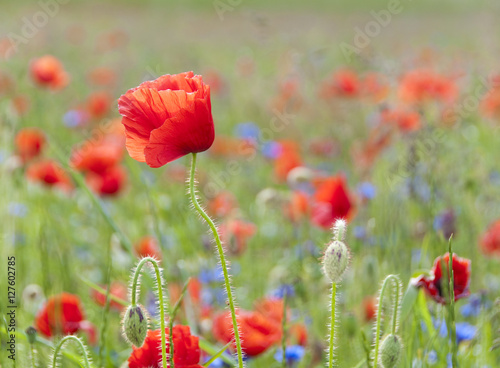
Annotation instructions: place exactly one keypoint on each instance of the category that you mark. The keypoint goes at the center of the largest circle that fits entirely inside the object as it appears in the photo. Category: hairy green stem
(395, 309)
(222, 260)
(332, 325)
(86, 362)
(159, 281)
(451, 308)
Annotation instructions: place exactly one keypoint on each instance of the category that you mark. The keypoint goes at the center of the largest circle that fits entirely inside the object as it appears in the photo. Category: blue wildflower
(293, 354)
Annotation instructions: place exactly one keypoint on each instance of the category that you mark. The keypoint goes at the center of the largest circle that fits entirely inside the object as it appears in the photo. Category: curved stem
(222, 260)
(86, 362)
(332, 325)
(159, 281)
(397, 283)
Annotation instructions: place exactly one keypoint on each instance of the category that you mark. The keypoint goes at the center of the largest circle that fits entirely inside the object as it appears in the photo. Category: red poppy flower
(375, 87)
(117, 289)
(332, 201)
(369, 308)
(297, 207)
(47, 71)
(490, 241)
(433, 284)
(63, 314)
(148, 247)
(490, 105)
(49, 173)
(97, 157)
(186, 350)
(222, 204)
(108, 183)
(258, 332)
(417, 86)
(343, 83)
(29, 143)
(288, 159)
(167, 118)
(406, 121)
(235, 233)
(99, 104)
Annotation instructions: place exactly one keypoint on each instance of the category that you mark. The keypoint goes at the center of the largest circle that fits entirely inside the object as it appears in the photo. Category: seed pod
(135, 325)
(335, 260)
(31, 334)
(390, 353)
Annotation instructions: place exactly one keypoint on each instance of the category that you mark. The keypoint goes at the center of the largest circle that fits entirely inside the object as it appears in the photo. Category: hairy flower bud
(135, 325)
(391, 351)
(335, 260)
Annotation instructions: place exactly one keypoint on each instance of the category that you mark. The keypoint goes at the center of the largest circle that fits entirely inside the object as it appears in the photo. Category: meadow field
(333, 166)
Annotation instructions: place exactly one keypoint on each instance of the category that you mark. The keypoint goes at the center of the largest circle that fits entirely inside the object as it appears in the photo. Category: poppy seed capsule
(135, 325)
(31, 334)
(336, 260)
(390, 353)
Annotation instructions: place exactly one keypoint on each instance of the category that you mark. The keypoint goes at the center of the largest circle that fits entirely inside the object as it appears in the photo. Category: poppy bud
(391, 351)
(135, 325)
(336, 260)
(31, 334)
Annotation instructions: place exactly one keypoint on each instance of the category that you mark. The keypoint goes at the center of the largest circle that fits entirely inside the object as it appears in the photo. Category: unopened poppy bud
(336, 260)
(391, 351)
(135, 325)
(31, 334)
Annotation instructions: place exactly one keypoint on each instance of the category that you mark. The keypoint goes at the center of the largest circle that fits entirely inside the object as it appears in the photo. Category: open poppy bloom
(332, 201)
(29, 143)
(186, 350)
(97, 157)
(288, 159)
(343, 83)
(167, 118)
(48, 71)
(63, 314)
(50, 173)
(436, 284)
(490, 241)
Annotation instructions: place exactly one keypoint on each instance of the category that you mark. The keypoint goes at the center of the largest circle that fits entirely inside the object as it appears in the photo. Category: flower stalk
(222, 259)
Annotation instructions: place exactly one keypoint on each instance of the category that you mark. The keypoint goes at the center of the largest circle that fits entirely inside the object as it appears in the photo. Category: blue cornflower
(367, 190)
(248, 130)
(271, 149)
(293, 354)
(282, 290)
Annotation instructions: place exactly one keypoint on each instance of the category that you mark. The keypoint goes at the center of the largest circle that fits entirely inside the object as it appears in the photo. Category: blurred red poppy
(259, 333)
(404, 120)
(235, 233)
(369, 308)
(490, 241)
(343, 83)
(99, 104)
(107, 183)
(48, 71)
(288, 159)
(298, 206)
(97, 157)
(63, 314)
(117, 289)
(222, 204)
(436, 284)
(49, 173)
(29, 143)
(167, 118)
(148, 247)
(186, 350)
(420, 85)
(332, 201)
